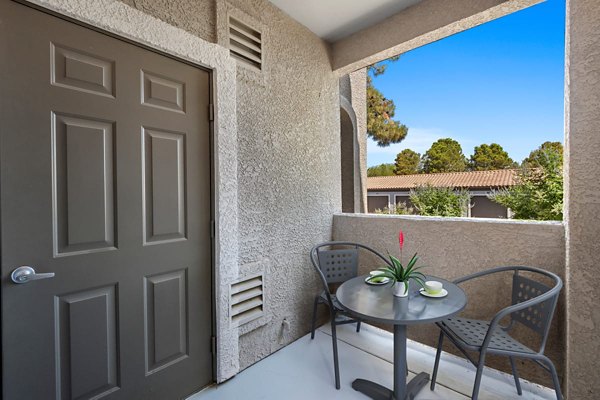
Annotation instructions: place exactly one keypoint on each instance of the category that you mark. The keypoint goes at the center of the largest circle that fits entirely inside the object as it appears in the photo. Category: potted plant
(399, 274)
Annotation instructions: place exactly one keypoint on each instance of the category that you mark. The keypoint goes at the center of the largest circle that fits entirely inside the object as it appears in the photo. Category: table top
(378, 304)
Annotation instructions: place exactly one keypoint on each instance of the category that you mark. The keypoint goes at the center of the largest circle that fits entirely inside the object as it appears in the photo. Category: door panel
(166, 319)
(162, 92)
(77, 70)
(105, 181)
(90, 316)
(164, 179)
(84, 214)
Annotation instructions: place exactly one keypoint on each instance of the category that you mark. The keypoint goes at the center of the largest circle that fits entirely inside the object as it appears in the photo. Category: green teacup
(433, 287)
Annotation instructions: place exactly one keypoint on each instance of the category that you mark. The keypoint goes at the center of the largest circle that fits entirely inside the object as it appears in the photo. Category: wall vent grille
(246, 300)
(245, 43)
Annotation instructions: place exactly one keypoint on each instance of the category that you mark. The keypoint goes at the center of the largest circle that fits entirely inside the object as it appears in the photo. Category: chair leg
(555, 380)
(336, 365)
(437, 360)
(516, 375)
(478, 375)
(314, 318)
(358, 326)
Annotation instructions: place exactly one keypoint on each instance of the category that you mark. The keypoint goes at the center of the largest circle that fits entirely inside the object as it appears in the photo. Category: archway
(347, 161)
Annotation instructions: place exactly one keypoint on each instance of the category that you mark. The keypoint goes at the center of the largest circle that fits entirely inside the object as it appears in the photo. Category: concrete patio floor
(304, 370)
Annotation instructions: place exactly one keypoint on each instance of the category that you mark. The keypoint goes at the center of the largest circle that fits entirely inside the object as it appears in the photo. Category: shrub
(432, 201)
(399, 209)
(539, 191)
(442, 202)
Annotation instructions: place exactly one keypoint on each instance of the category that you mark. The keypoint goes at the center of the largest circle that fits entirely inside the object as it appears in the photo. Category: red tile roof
(471, 179)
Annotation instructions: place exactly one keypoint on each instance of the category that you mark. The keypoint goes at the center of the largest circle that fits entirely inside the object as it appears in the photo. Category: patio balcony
(276, 129)
(451, 248)
(304, 370)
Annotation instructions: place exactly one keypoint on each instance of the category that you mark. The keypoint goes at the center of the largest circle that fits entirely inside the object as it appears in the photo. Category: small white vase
(400, 289)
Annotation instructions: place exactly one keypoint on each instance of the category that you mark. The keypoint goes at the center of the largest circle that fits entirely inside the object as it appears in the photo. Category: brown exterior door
(105, 181)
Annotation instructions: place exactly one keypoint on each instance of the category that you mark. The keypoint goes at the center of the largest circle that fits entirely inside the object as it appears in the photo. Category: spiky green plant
(399, 273)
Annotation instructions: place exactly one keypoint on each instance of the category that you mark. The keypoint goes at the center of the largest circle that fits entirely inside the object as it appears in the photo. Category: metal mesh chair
(336, 262)
(533, 305)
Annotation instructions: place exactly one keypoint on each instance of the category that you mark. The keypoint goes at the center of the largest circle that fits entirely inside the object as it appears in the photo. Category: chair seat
(336, 303)
(341, 317)
(472, 333)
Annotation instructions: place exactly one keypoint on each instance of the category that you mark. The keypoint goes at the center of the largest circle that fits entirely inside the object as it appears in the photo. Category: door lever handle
(25, 274)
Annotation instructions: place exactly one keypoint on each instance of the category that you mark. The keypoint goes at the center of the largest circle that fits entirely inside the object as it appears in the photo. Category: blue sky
(500, 82)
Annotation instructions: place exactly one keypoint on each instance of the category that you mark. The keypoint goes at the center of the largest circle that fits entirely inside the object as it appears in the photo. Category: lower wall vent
(246, 300)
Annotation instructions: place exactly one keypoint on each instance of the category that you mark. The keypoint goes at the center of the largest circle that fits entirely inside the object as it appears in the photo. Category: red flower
(401, 240)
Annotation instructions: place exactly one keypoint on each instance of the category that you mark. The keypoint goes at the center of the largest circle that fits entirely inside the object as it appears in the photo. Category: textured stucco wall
(583, 197)
(423, 23)
(289, 168)
(345, 89)
(195, 16)
(454, 247)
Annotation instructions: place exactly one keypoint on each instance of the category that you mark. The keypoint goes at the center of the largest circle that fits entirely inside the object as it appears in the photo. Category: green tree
(445, 155)
(537, 157)
(489, 157)
(539, 191)
(407, 162)
(442, 202)
(381, 170)
(381, 125)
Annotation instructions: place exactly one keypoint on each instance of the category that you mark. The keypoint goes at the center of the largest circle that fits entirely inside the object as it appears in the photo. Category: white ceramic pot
(400, 289)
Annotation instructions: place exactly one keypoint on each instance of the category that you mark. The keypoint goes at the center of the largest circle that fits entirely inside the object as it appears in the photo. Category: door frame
(115, 19)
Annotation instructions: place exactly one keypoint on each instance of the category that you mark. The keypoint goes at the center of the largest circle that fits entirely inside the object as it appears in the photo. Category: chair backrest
(338, 265)
(538, 316)
(335, 264)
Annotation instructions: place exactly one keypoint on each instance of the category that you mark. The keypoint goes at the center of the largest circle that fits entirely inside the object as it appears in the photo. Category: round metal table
(378, 304)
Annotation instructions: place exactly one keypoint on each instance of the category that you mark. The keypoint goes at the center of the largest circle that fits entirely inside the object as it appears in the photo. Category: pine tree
(407, 162)
(490, 157)
(381, 125)
(445, 155)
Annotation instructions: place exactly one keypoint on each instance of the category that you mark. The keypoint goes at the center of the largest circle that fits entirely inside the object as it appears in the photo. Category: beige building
(387, 191)
(173, 162)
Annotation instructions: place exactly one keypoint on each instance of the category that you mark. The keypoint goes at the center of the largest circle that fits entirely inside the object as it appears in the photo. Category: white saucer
(443, 293)
(385, 280)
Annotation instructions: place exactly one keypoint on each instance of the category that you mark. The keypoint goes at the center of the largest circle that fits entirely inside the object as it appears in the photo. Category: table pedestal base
(379, 392)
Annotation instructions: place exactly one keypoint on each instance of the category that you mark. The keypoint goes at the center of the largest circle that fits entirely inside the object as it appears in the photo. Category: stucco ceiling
(335, 19)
